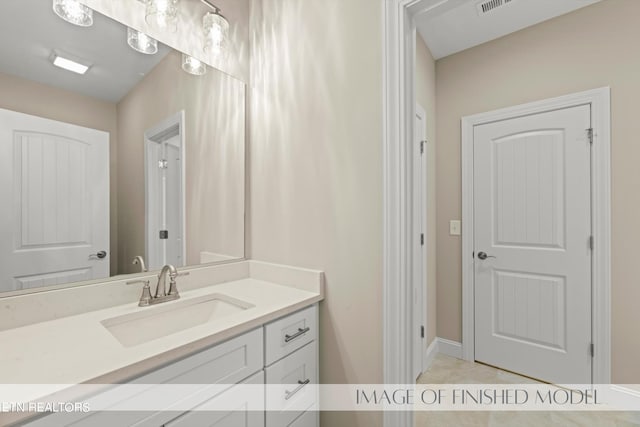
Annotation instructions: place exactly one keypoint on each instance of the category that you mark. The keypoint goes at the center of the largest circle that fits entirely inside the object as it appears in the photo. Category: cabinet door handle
(300, 332)
(289, 394)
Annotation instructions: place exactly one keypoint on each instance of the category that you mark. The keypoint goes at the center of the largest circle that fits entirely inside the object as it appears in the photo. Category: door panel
(530, 308)
(56, 187)
(53, 278)
(529, 188)
(532, 213)
(52, 195)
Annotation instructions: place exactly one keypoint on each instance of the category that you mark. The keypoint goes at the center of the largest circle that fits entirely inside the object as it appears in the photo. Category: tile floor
(449, 370)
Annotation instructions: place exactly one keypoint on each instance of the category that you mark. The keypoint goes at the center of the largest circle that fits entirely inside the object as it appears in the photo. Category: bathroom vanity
(248, 323)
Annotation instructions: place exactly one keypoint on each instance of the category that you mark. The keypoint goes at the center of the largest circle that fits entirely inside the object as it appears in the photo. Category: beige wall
(214, 107)
(590, 48)
(426, 98)
(26, 96)
(316, 170)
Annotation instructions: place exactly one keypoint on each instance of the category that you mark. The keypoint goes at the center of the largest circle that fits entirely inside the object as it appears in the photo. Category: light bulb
(216, 32)
(141, 42)
(193, 66)
(73, 12)
(162, 14)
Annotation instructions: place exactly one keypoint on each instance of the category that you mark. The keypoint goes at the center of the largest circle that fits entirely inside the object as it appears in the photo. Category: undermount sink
(159, 321)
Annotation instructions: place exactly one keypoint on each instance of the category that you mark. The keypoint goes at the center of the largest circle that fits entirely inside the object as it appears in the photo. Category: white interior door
(532, 222)
(419, 240)
(164, 184)
(55, 217)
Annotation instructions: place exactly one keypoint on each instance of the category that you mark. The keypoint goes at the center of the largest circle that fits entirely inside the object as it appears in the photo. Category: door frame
(176, 119)
(421, 223)
(398, 120)
(599, 99)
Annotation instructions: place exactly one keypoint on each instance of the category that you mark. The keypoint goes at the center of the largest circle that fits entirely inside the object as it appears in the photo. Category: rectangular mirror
(109, 153)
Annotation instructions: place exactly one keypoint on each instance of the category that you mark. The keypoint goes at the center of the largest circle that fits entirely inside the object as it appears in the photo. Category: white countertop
(79, 349)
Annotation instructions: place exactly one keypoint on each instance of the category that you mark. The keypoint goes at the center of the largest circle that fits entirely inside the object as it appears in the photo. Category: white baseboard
(430, 354)
(444, 346)
(627, 396)
(450, 348)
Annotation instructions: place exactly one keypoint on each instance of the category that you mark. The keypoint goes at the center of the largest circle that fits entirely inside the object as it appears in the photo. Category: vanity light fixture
(141, 42)
(69, 64)
(216, 30)
(193, 66)
(74, 12)
(162, 15)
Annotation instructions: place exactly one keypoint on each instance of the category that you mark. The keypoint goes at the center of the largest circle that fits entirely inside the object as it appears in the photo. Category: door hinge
(591, 244)
(422, 146)
(592, 349)
(164, 234)
(422, 239)
(421, 331)
(590, 135)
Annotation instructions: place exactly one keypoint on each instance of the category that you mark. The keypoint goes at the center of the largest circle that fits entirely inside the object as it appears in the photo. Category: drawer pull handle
(300, 332)
(289, 394)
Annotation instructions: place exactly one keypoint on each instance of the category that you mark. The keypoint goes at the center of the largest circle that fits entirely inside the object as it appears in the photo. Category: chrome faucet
(161, 294)
(161, 289)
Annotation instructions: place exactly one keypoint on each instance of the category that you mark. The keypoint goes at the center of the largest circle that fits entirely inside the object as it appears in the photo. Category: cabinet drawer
(233, 408)
(290, 333)
(308, 419)
(291, 386)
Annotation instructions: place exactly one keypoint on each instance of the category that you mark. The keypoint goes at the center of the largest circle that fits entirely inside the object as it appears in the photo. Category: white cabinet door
(54, 217)
(226, 363)
(532, 204)
(308, 419)
(233, 408)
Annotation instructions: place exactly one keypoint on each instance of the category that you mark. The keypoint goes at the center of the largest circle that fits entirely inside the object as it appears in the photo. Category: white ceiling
(450, 26)
(30, 31)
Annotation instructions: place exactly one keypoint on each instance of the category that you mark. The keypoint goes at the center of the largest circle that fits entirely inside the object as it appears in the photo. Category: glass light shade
(193, 66)
(141, 42)
(162, 15)
(216, 32)
(74, 12)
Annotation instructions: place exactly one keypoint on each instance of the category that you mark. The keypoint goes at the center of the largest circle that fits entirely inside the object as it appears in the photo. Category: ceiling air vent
(491, 5)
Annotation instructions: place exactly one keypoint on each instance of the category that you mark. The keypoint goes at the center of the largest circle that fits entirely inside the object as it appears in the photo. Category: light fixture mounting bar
(212, 6)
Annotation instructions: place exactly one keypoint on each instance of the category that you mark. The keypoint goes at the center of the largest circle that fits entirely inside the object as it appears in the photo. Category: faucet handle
(145, 298)
(173, 287)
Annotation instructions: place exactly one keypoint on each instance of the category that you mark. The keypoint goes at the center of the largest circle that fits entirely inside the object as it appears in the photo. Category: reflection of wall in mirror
(41, 100)
(215, 133)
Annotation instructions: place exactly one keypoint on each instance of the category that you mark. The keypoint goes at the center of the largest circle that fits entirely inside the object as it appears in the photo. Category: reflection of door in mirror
(55, 214)
(125, 93)
(164, 193)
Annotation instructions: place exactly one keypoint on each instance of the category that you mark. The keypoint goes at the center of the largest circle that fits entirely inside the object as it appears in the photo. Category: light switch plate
(454, 228)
